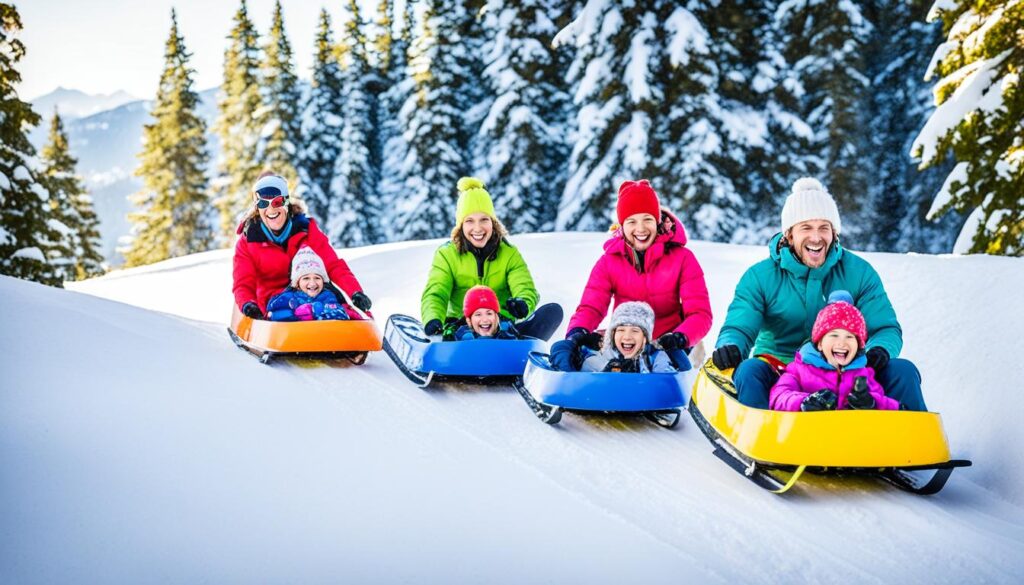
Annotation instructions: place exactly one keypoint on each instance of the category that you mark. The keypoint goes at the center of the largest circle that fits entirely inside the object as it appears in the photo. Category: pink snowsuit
(671, 282)
(810, 372)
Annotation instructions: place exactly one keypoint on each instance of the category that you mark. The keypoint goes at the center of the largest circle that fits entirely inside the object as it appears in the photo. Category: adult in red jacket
(269, 236)
(646, 259)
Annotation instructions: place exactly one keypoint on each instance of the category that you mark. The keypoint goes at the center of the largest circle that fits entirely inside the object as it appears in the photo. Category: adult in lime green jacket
(777, 299)
(479, 253)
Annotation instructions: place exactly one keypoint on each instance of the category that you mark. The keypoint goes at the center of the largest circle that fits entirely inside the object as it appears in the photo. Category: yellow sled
(351, 339)
(882, 443)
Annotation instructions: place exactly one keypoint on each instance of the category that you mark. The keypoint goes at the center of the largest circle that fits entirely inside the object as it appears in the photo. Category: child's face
(484, 322)
(839, 347)
(311, 284)
(629, 340)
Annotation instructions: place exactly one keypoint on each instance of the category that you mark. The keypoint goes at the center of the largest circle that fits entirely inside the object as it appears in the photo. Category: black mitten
(860, 398)
(821, 400)
(252, 310)
(727, 356)
(433, 327)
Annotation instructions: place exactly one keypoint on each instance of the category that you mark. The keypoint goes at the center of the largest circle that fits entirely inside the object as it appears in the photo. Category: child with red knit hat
(831, 372)
(483, 319)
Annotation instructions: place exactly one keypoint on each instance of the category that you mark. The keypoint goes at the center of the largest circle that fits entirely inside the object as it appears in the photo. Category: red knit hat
(840, 315)
(480, 297)
(637, 197)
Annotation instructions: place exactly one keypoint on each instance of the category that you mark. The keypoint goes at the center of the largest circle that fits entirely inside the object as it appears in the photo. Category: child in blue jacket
(483, 319)
(307, 299)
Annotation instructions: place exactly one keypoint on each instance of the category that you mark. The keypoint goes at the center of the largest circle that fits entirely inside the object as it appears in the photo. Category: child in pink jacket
(830, 372)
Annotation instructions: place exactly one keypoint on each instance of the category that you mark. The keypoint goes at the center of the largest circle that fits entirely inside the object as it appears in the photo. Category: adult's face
(274, 217)
(477, 229)
(640, 229)
(810, 241)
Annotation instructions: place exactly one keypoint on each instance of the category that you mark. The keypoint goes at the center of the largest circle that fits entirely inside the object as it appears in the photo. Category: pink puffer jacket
(809, 372)
(671, 282)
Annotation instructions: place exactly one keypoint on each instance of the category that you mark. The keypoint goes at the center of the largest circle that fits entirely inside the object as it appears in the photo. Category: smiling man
(777, 299)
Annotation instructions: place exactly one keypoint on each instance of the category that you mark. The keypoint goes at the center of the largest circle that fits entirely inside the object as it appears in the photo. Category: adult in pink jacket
(824, 373)
(646, 260)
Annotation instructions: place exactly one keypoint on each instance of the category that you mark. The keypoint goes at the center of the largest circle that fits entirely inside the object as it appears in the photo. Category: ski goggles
(270, 197)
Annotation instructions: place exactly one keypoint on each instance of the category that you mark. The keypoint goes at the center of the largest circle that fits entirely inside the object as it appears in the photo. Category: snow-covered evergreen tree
(643, 86)
(322, 121)
(980, 122)
(172, 217)
(394, 69)
(26, 233)
(824, 42)
(238, 125)
(77, 253)
(433, 125)
(899, 103)
(279, 118)
(353, 211)
(523, 143)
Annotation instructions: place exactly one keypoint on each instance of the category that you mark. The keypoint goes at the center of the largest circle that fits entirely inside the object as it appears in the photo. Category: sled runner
(773, 448)
(330, 339)
(549, 393)
(423, 360)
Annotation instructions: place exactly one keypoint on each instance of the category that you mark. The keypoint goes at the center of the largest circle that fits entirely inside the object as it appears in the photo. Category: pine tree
(26, 233)
(77, 255)
(522, 141)
(322, 122)
(980, 122)
(400, 86)
(433, 124)
(824, 45)
(900, 102)
(238, 125)
(354, 188)
(281, 126)
(172, 219)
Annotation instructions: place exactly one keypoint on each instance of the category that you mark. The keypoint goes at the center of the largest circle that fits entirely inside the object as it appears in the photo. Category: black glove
(583, 338)
(517, 307)
(878, 358)
(673, 340)
(626, 366)
(860, 398)
(820, 400)
(252, 310)
(362, 301)
(727, 356)
(433, 327)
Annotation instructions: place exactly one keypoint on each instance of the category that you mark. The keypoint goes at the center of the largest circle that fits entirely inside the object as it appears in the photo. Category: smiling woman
(479, 253)
(274, 229)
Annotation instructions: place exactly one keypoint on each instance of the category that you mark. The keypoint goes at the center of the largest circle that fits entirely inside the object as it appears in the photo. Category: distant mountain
(73, 103)
(106, 145)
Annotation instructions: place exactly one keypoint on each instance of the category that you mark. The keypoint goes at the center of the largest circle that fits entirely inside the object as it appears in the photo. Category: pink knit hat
(840, 314)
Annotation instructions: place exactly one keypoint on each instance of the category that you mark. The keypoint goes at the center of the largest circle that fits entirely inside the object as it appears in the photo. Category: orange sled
(266, 340)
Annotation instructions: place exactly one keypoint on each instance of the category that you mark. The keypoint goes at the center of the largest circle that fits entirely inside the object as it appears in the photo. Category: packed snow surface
(138, 445)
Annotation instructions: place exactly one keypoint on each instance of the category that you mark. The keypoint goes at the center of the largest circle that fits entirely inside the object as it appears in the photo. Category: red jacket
(262, 268)
(671, 282)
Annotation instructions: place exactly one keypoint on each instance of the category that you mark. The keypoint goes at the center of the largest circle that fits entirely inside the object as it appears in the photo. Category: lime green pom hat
(473, 198)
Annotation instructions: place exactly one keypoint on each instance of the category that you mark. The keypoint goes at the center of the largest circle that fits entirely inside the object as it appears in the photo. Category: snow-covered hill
(139, 445)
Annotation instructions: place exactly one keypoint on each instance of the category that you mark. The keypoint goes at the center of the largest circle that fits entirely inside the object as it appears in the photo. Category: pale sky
(101, 46)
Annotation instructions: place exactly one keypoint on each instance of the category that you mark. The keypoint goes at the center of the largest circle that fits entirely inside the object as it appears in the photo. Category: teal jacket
(452, 274)
(778, 299)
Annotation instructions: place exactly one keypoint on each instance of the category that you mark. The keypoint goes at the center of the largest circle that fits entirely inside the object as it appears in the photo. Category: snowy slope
(139, 445)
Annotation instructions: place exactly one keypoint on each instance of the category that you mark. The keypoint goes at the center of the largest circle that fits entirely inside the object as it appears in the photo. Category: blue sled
(658, 396)
(422, 360)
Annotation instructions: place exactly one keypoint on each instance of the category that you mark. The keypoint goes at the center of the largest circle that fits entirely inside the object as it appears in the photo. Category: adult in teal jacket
(778, 298)
(479, 253)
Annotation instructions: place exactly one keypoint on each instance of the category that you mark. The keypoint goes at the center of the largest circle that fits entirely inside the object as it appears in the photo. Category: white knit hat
(271, 181)
(307, 262)
(810, 200)
(636, 313)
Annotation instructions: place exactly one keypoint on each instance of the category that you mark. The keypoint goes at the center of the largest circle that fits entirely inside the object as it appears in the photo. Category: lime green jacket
(452, 274)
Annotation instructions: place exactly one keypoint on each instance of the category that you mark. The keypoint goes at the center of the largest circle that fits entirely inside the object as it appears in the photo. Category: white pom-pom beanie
(306, 262)
(810, 200)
